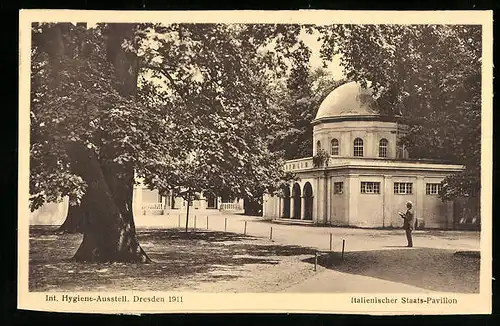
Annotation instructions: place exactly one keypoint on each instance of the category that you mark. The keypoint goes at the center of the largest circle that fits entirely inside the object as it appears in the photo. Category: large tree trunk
(74, 220)
(109, 233)
(109, 230)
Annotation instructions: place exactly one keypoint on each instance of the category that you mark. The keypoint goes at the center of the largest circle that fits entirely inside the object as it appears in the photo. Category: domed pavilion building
(367, 176)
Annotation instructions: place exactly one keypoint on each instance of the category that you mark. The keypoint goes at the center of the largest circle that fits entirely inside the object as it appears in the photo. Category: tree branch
(165, 73)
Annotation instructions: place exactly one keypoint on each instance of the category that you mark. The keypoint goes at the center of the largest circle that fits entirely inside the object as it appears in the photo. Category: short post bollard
(271, 234)
(331, 243)
(315, 261)
(245, 230)
(343, 246)
(225, 224)
(195, 218)
(179, 221)
(207, 222)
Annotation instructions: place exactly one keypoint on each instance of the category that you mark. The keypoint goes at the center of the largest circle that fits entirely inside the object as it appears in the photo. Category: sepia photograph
(294, 161)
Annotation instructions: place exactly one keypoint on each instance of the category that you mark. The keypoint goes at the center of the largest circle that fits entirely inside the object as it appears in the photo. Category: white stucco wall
(338, 211)
(150, 196)
(399, 200)
(369, 207)
(50, 214)
(370, 131)
(373, 210)
(434, 209)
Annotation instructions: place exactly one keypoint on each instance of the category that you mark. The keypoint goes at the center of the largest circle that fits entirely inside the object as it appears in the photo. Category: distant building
(151, 202)
(367, 177)
(145, 202)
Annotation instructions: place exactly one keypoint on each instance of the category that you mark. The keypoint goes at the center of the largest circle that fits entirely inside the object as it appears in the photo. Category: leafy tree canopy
(201, 118)
(214, 82)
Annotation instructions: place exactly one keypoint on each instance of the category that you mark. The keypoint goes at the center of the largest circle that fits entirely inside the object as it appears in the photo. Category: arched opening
(358, 147)
(335, 146)
(382, 147)
(318, 146)
(308, 201)
(286, 201)
(296, 201)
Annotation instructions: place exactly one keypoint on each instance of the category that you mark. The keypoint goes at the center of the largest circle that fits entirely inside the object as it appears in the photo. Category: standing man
(408, 222)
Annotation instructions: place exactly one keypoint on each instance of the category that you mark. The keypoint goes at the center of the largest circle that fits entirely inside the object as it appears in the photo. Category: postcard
(303, 161)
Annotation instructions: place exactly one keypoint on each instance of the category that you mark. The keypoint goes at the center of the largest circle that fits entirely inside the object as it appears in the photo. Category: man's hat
(409, 203)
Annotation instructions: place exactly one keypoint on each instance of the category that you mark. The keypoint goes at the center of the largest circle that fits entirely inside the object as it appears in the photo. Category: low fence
(231, 206)
(324, 241)
(152, 206)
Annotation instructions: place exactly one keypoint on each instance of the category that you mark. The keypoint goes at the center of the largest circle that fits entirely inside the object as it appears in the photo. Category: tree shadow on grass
(179, 259)
(43, 230)
(427, 268)
(180, 235)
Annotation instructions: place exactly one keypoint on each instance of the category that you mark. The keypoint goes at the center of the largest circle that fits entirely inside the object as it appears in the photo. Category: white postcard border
(276, 303)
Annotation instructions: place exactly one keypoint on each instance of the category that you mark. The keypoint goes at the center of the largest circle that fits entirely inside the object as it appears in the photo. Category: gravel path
(375, 260)
(356, 239)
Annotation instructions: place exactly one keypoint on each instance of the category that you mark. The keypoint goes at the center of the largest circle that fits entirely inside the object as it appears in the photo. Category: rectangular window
(433, 188)
(403, 188)
(382, 151)
(338, 187)
(358, 151)
(370, 187)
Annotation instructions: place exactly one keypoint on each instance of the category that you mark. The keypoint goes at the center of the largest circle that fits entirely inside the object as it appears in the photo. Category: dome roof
(349, 99)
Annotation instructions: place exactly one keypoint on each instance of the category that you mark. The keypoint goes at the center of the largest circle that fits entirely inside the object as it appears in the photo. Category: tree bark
(74, 220)
(109, 230)
(106, 207)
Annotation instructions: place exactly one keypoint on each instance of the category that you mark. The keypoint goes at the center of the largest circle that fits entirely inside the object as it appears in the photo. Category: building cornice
(377, 164)
(368, 117)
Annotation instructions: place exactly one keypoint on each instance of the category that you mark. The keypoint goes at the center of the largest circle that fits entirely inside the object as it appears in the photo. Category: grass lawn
(195, 261)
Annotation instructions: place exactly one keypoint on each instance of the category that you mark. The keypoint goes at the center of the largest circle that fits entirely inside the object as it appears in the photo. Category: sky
(311, 40)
